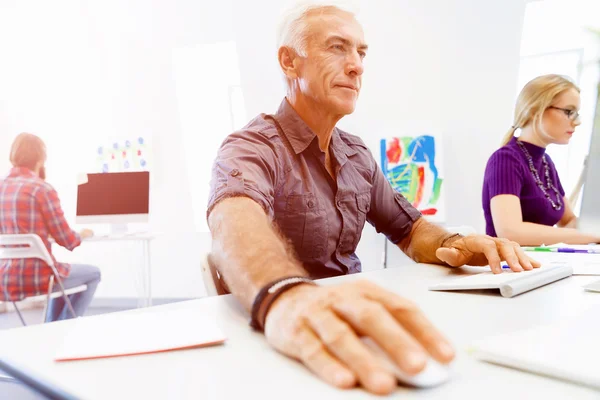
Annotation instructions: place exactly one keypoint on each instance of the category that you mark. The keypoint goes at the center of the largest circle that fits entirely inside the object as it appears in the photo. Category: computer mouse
(433, 375)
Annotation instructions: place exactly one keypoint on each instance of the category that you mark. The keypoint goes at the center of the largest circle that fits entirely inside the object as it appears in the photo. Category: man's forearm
(246, 249)
(424, 239)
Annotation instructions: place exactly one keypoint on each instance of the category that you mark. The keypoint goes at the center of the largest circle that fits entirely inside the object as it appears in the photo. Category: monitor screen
(589, 220)
(114, 197)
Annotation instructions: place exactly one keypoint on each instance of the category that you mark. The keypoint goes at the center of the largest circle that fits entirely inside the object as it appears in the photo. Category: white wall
(86, 70)
(433, 66)
(573, 50)
(437, 65)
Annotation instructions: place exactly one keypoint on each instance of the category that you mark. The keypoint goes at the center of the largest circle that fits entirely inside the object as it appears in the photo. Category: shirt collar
(536, 152)
(22, 171)
(294, 128)
(340, 144)
(301, 136)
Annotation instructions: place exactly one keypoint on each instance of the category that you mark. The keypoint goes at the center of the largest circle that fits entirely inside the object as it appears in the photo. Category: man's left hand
(483, 250)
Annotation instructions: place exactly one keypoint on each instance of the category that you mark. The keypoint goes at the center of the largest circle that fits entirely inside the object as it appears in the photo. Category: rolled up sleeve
(54, 218)
(245, 166)
(390, 212)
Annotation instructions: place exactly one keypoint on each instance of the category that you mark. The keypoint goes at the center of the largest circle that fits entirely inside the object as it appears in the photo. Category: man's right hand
(86, 233)
(321, 325)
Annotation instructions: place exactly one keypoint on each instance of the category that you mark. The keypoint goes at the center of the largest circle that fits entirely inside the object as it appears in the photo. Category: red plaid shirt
(30, 205)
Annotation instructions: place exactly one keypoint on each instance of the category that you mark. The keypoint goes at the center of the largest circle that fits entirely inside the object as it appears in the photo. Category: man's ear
(288, 61)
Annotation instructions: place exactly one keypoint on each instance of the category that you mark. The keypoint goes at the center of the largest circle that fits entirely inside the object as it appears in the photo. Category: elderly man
(289, 198)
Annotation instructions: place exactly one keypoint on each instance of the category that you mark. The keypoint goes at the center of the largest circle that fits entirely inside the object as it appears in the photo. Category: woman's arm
(508, 222)
(569, 220)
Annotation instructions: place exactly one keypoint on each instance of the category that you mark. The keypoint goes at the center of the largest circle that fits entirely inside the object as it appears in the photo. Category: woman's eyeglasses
(571, 114)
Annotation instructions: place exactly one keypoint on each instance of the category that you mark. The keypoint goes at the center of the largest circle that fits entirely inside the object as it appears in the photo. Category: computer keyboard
(507, 275)
(509, 283)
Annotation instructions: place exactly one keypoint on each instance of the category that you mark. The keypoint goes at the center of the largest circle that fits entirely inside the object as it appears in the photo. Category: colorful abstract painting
(411, 165)
(123, 156)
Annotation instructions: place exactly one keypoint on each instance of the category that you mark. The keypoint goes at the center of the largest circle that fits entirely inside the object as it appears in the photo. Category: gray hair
(292, 28)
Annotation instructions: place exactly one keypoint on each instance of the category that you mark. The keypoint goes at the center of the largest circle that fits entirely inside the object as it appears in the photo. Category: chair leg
(19, 312)
(62, 288)
(47, 305)
(67, 300)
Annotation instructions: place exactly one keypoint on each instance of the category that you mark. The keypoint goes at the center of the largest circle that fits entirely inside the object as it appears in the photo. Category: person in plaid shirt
(28, 204)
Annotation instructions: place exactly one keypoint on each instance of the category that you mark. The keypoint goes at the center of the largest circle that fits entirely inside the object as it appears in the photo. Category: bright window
(563, 37)
(211, 106)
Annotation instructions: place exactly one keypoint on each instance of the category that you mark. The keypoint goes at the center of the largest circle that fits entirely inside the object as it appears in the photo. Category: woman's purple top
(508, 172)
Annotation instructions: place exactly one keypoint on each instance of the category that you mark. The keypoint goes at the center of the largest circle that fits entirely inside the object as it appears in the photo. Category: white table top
(121, 236)
(246, 367)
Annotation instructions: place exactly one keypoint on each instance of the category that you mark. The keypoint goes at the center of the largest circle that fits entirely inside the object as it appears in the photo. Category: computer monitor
(115, 198)
(589, 220)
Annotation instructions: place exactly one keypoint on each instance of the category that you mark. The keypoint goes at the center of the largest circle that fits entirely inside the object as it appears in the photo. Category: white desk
(145, 299)
(246, 368)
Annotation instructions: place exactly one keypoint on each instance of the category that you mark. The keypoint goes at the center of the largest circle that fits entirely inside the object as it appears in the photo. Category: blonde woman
(523, 199)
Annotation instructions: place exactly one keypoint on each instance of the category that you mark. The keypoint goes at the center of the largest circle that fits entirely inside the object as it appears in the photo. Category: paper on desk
(566, 349)
(582, 264)
(573, 246)
(133, 333)
(593, 287)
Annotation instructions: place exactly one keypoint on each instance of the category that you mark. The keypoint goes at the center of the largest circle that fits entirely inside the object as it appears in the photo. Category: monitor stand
(118, 229)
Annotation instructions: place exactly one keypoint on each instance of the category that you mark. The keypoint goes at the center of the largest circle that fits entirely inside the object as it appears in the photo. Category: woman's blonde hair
(27, 151)
(537, 95)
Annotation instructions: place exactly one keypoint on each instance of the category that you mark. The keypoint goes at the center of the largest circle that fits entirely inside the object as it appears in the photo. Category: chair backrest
(211, 279)
(27, 245)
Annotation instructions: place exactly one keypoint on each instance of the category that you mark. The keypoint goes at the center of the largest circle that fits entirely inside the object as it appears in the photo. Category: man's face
(331, 73)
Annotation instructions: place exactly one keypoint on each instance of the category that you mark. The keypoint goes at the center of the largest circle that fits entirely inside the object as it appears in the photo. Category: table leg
(141, 302)
(148, 273)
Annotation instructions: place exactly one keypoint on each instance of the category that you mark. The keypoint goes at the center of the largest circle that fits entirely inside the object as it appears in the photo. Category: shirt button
(339, 203)
(311, 204)
(234, 172)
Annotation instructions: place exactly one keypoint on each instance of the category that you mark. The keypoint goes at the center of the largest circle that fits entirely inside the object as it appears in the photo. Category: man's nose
(354, 64)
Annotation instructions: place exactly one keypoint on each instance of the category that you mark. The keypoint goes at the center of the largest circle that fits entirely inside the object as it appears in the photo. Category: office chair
(31, 246)
(210, 276)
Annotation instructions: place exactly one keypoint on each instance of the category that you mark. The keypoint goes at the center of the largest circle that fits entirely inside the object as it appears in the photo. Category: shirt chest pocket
(354, 208)
(305, 224)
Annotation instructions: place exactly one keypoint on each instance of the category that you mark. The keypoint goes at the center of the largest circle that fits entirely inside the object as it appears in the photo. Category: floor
(34, 316)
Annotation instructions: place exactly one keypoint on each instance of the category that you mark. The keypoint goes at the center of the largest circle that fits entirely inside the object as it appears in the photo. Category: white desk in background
(246, 367)
(145, 300)
(583, 264)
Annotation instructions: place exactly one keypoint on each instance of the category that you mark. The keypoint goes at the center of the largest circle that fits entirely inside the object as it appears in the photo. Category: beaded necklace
(549, 185)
